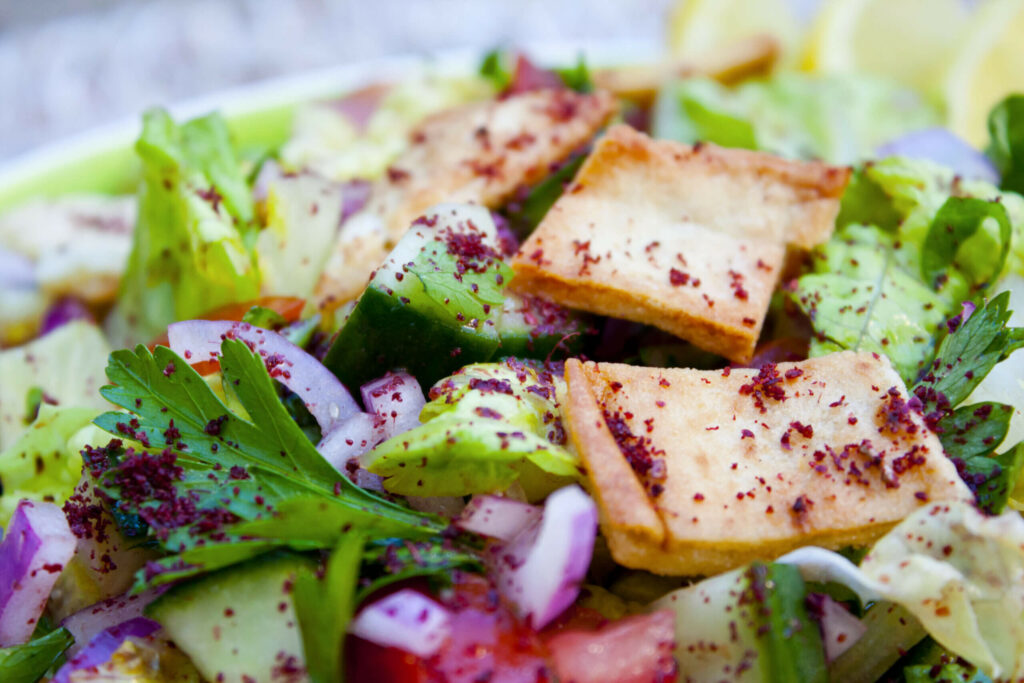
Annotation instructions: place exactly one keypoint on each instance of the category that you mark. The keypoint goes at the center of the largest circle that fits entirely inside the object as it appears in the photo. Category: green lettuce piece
(864, 294)
(64, 367)
(749, 624)
(27, 663)
(957, 571)
(40, 465)
(1006, 149)
(951, 672)
(841, 119)
(191, 249)
(912, 243)
(485, 427)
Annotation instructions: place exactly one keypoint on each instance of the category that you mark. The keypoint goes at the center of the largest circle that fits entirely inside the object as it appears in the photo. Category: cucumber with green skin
(532, 327)
(237, 624)
(432, 307)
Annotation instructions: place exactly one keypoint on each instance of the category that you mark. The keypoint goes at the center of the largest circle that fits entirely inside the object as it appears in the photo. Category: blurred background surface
(68, 65)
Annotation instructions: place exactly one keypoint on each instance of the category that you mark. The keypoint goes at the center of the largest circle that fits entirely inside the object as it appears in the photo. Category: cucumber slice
(238, 625)
(432, 307)
(531, 327)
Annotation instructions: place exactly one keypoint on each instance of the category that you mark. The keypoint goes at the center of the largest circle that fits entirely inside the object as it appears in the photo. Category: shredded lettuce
(841, 119)
(191, 248)
(41, 465)
(485, 427)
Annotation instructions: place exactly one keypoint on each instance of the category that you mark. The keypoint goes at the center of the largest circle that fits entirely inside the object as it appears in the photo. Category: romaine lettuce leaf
(912, 244)
(40, 465)
(191, 248)
(841, 119)
(485, 427)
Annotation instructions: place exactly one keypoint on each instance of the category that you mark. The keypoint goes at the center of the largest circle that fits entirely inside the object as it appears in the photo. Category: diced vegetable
(432, 307)
(943, 147)
(407, 620)
(36, 546)
(87, 623)
(497, 517)
(636, 649)
(103, 645)
(396, 399)
(541, 569)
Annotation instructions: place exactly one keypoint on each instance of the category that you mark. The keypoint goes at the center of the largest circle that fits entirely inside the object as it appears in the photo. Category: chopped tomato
(636, 649)
(528, 76)
(487, 643)
(288, 307)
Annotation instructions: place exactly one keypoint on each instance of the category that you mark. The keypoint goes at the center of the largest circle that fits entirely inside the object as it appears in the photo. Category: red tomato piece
(636, 649)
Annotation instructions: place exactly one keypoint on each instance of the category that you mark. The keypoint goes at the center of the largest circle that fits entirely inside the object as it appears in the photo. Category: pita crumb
(696, 472)
(480, 153)
(689, 239)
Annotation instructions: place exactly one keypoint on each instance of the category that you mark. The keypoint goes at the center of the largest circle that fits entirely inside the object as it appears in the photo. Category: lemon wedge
(697, 27)
(901, 39)
(987, 65)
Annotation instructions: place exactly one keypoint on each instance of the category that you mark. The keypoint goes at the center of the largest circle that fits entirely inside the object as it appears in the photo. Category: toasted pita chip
(477, 154)
(696, 472)
(689, 239)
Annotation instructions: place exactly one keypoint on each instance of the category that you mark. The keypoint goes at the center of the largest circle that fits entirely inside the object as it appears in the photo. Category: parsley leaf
(218, 471)
(27, 663)
(392, 561)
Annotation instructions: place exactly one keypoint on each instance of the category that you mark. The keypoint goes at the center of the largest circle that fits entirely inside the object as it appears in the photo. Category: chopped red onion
(327, 400)
(350, 439)
(407, 620)
(103, 645)
(270, 173)
(354, 195)
(942, 147)
(540, 570)
(839, 629)
(497, 517)
(397, 399)
(63, 311)
(86, 623)
(37, 545)
(360, 105)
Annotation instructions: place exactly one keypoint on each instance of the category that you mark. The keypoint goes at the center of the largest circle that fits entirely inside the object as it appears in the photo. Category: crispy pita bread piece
(696, 472)
(689, 239)
(479, 153)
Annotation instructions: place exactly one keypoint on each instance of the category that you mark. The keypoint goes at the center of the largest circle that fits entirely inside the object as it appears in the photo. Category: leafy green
(524, 216)
(911, 245)
(840, 119)
(1006, 146)
(951, 232)
(494, 67)
(390, 561)
(791, 645)
(66, 365)
(976, 429)
(968, 353)
(39, 465)
(324, 607)
(267, 318)
(191, 247)
(27, 663)
(218, 471)
(577, 77)
(484, 425)
(864, 294)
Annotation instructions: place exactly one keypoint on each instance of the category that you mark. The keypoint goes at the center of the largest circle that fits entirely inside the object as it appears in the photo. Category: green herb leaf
(324, 608)
(392, 561)
(577, 77)
(966, 355)
(992, 478)
(267, 318)
(27, 663)
(952, 229)
(976, 429)
(494, 67)
(1006, 149)
(790, 641)
(952, 672)
(524, 216)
